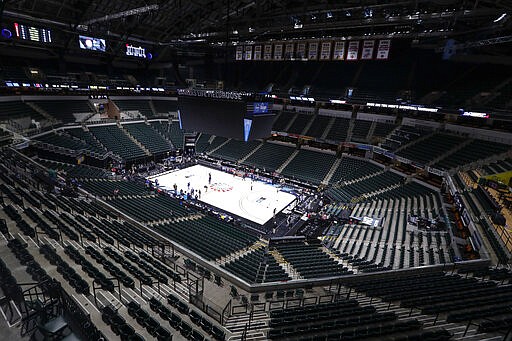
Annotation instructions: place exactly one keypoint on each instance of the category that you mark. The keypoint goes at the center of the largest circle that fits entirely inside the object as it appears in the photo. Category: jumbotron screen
(223, 114)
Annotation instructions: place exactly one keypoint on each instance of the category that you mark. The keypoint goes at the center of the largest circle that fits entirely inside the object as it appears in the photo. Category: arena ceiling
(208, 23)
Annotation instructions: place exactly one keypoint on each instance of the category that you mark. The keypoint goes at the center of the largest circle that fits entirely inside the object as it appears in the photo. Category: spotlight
(6, 33)
(329, 15)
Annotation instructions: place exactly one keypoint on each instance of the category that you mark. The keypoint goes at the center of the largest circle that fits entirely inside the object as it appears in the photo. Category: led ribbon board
(135, 51)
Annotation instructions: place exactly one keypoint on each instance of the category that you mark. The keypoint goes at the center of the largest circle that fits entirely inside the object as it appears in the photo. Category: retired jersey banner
(248, 52)
(325, 51)
(339, 50)
(267, 52)
(353, 50)
(368, 46)
(239, 53)
(383, 49)
(278, 52)
(313, 51)
(288, 51)
(301, 50)
(257, 52)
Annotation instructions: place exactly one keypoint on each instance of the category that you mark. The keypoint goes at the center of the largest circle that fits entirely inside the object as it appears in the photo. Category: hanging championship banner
(325, 51)
(339, 50)
(278, 52)
(248, 52)
(257, 52)
(301, 50)
(313, 51)
(383, 49)
(239, 53)
(368, 46)
(353, 50)
(267, 52)
(288, 51)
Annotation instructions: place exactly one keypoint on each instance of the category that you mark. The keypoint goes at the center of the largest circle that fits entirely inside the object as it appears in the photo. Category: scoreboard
(31, 33)
(227, 114)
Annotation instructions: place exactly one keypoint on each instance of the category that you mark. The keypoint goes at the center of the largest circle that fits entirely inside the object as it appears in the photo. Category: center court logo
(221, 187)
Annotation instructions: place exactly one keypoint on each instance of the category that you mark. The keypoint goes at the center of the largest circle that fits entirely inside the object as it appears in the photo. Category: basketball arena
(255, 170)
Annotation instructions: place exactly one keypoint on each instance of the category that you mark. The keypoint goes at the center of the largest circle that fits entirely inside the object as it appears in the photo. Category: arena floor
(229, 193)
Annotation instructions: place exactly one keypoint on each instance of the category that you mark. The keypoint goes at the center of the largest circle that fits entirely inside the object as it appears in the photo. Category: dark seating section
(318, 126)
(258, 266)
(215, 143)
(430, 148)
(115, 140)
(146, 135)
(474, 151)
(164, 106)
(152, 208)
(74, 171)
(112, 269)
(62, 140)
(361, 189)
(351, 169)
(460, 298)
(403, 136)
(310, 261)
(383, 129)
(177, 323)
(499, 166)
(269, 157)
(299, 124)
(300, 166)
(118, 324)
(63, 110)
(105, 188)
(141, 276)
(488, 203)
(70, 275)
(62, 317)
(346, 320)
(283, 120)
(203, 143)
(490, 233)
(87, 267)
(171, 132)
(339, 129)
(15, 110)
(139, 105)
(218, 238)
(361, 130)
(235, 150)
(89, 139)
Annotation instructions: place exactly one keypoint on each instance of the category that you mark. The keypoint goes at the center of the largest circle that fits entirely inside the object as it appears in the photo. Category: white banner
(248, 52)
(325, 51)
(368, 46)
(239, 53)
(288, 51)
(339, 50)
(267, 52)
(313, 51)
(301, 50)
(383, 49)
(353, 50)
(257, 52)
(278, 52)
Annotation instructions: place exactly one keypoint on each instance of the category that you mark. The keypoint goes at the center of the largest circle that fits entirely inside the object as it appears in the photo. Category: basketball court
(251, 200)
